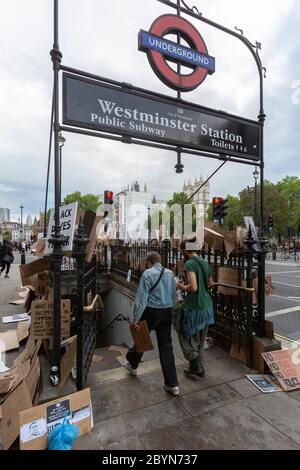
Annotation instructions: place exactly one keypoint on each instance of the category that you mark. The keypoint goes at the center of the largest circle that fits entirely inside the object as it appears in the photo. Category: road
(283, 307)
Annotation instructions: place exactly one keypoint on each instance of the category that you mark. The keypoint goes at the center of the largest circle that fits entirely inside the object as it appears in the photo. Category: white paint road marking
(283, 272)
(285, 284)
(282, 312)
(285, 298)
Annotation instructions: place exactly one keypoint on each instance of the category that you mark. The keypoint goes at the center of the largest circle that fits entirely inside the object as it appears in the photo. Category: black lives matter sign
(119, 110)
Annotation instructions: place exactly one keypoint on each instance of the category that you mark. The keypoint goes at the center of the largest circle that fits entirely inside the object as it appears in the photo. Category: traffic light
(216, 208)
(270, 222)
(219, 209)
(108, 197)
(223, 208)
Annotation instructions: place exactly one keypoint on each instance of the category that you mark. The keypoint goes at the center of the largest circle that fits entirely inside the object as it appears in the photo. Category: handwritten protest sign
(42, 319)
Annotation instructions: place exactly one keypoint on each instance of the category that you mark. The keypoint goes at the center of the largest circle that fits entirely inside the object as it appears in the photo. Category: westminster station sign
(117, 110)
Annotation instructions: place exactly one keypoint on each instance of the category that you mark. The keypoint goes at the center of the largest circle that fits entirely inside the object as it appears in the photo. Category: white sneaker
(128, 367)
(173, 390)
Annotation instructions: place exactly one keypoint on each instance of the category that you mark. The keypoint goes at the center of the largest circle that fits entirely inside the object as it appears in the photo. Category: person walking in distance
(7, 258)
(196, 314)
(155, 300)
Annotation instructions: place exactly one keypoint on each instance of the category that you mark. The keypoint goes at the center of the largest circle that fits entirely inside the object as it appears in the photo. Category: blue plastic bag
(63, 436)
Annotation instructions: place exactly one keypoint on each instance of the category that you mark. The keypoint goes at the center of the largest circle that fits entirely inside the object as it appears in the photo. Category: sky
(101, 37)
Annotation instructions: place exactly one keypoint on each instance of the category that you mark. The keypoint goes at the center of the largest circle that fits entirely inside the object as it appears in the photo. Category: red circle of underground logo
(173, 24)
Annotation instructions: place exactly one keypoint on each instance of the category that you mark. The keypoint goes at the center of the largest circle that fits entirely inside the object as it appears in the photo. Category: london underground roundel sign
(161, 50)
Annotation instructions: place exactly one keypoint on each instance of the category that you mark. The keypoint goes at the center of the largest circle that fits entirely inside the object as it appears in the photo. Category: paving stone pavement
(221, 411)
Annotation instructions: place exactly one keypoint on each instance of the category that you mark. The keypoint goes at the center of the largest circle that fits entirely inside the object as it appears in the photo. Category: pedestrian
(196, 313)
(7, 258)
(155, 300)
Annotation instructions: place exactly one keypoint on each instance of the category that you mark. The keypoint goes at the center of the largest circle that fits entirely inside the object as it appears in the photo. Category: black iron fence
(237, 315)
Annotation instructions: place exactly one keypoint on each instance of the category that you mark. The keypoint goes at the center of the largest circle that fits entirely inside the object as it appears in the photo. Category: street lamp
(149, 225)
(61, 143)
(255, 175)
(23, 260)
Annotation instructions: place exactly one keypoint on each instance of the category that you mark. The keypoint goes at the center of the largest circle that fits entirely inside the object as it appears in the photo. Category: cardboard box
(67, 361)
(33, 377)
(18, 400)
(29, 270)
(36, 423)
(8, 341)
(23, 330)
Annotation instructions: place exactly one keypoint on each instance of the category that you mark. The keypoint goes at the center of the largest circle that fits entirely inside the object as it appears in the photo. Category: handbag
(8, 259)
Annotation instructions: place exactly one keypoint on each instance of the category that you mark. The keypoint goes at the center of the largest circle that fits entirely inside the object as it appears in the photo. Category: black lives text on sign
(114, 109)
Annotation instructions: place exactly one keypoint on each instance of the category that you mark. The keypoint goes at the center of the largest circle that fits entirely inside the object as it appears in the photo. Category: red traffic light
(217, 201)
(108, 197)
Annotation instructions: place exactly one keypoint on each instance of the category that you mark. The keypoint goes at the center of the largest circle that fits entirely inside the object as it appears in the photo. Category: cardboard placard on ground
(33, 377)
(16, 401)
(42, 319)
(35, 423)
(67, 361)
(285, 366)
(8, 341)
(28, 351)
(23, 330)
(10, 379)
(141, 337)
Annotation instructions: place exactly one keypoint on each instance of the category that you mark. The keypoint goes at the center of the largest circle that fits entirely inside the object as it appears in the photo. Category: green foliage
(86, 202)
(178, 198)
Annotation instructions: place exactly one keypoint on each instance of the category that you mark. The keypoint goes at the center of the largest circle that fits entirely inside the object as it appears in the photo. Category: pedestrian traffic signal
(270, 222)
(108, 197)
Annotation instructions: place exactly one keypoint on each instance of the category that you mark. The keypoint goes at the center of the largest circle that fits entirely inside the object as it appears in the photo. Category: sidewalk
(221, 411)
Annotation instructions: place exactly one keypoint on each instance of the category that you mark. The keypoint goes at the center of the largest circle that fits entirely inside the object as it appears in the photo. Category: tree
(289, 187)
(86, 202)
(181, 199)
(276, 203)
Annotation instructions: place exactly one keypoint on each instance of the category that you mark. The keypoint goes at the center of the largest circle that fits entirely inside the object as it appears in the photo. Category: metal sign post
(56, 239)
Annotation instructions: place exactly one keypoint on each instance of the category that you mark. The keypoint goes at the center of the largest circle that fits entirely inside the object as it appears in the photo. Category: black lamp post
(255, 175)
(149, 225)
(23, 260)
(61, 143)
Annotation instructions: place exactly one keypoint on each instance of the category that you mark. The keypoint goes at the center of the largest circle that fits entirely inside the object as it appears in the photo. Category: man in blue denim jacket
(155, 300)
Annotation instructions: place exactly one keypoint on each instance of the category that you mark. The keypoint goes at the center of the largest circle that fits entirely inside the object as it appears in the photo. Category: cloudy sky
(100, 36)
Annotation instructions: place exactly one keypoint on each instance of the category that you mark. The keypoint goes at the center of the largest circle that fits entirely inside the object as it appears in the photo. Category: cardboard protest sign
(28, 270)
(285, 366)
(141, 337)
(36, 423)
(44, 281)
(67, 220)
(42, 319)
